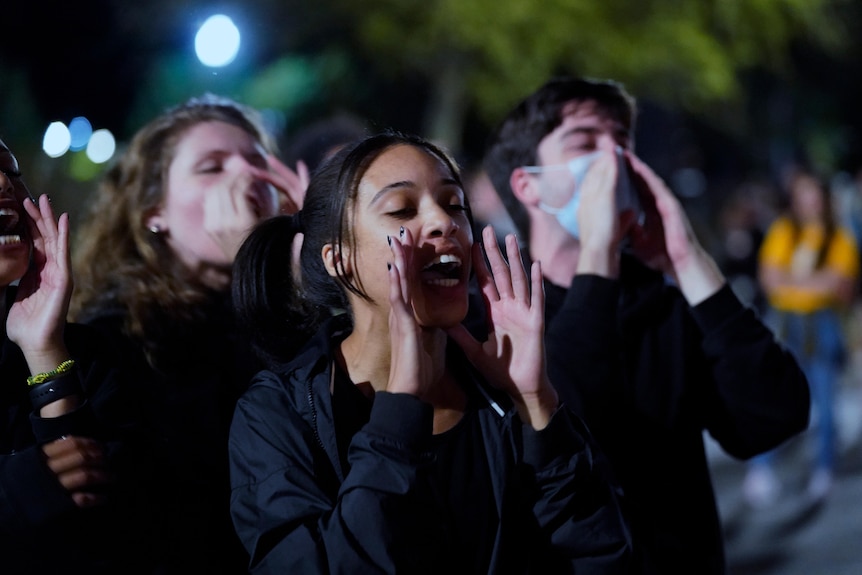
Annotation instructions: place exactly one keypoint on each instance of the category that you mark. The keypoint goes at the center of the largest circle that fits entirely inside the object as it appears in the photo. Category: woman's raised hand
(251, 195)
(290, 183)
(513, 356)
(37, 319)
(410, 370)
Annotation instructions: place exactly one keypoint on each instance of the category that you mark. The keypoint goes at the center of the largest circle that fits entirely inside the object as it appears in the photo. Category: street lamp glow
(56, 140)
(101, 146)
(217, 41)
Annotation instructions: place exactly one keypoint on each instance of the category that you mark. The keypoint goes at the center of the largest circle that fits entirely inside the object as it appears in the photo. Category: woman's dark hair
(278, 306)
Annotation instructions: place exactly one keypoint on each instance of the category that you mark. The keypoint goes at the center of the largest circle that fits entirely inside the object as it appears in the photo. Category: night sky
(75, 58)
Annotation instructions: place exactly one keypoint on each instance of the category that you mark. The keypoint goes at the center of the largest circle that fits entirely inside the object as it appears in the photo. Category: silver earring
(155, 229)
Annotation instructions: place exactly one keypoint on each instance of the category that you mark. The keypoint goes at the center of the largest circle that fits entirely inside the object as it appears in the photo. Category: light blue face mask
(567, 214)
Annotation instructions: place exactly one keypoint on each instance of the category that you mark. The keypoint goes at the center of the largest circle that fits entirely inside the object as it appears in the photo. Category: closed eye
(581, 148)
(402, 214)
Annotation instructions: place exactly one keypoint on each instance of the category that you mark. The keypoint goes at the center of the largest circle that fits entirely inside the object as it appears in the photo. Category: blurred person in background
(317, 141)
(153, 265)
(808, 268)
(742, 221)
(64, 492)
(645, 338)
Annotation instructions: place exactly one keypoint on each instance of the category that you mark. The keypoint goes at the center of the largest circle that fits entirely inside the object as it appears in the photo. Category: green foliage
(686, 54)
(175, 78)
(82, 169)
(287, 83)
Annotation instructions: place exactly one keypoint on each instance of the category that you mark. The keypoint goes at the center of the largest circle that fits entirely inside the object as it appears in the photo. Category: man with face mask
(646, 340)
(563, 201)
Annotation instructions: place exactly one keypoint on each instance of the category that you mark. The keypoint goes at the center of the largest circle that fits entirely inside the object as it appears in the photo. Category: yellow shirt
(799, 256)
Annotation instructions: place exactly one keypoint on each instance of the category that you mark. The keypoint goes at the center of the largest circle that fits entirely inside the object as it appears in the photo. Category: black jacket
(302, 505)
(42, 531)
(186, 403)
(675, 372)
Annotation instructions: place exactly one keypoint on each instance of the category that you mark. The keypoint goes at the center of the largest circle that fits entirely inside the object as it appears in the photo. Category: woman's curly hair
(118, 263)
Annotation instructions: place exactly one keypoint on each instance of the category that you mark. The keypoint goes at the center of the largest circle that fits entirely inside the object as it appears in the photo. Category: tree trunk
(444, 119)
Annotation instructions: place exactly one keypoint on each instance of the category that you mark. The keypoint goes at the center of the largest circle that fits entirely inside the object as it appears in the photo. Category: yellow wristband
(61, 369)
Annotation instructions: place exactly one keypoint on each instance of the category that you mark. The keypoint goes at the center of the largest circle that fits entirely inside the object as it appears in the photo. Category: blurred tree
(489, 53)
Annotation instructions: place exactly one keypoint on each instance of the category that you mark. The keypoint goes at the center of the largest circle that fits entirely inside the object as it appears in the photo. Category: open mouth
(443, 271)
(10, 232)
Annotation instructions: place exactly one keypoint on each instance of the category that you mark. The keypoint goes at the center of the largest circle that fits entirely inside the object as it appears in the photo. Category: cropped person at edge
(66, 497)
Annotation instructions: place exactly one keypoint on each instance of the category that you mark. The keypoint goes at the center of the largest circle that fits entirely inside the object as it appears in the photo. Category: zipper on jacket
(310, 396)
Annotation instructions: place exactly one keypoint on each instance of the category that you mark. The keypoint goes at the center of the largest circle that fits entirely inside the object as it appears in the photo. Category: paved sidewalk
(797, 536)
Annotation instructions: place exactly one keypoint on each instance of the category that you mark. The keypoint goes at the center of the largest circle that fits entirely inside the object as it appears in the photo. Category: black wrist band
(50, 391)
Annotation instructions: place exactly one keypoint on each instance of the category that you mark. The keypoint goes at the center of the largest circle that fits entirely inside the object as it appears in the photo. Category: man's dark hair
(516, 140)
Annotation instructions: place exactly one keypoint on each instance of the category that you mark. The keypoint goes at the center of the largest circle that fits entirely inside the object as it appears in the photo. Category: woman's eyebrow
(390, 187)
(409, 184)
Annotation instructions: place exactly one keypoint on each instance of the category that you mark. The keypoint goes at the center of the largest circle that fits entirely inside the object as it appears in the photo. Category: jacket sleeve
(30, 494)
(35, 507)
(759, 395)
(582, 343)
(579, 504)
(292, 519)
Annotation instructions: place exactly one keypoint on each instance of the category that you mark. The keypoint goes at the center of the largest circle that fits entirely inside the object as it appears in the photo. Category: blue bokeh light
(80, 131)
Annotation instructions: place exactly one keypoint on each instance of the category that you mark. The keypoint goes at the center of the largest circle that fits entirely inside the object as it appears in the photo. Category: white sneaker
(820, 484)
(761, 487)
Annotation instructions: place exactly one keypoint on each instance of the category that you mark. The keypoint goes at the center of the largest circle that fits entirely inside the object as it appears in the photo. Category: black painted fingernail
(389, 240)
(388, 266)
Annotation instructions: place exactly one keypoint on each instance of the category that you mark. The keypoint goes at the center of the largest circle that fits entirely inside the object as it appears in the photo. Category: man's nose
(606, 141)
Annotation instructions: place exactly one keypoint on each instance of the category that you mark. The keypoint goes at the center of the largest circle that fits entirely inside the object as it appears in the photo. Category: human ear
(335, 260)
(155, 222)
(524, 187)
